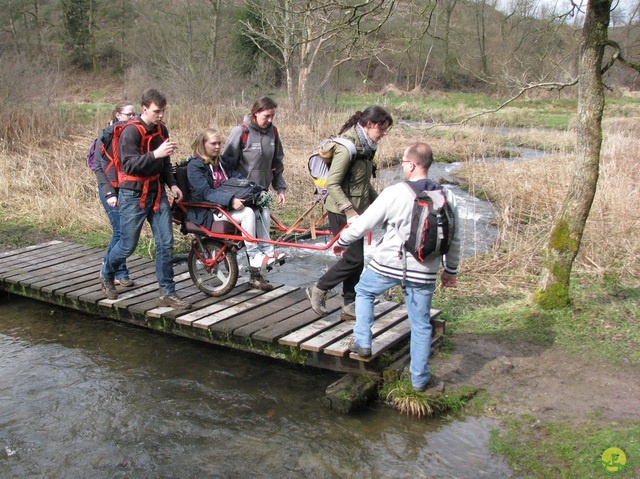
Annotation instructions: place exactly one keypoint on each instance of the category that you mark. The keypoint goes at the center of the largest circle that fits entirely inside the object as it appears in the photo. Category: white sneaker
(259, 259)
(277, 256)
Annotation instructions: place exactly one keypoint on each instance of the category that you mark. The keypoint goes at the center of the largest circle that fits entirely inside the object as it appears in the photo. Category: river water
(84, 397)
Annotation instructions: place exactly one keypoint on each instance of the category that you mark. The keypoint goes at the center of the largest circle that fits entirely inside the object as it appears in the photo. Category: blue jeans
(113, 213)
(418, 301)
(132, 218)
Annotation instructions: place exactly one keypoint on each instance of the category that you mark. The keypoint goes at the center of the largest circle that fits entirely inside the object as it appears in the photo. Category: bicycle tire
(222, 277)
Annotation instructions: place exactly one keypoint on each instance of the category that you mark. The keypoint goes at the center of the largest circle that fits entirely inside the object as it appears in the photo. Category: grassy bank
(48, 192)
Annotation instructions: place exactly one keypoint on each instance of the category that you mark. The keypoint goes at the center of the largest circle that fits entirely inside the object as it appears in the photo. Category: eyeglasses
(406, 161)
(129, 114)
(382, 129)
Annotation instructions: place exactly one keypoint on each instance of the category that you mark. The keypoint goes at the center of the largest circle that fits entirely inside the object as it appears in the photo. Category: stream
(83, 397)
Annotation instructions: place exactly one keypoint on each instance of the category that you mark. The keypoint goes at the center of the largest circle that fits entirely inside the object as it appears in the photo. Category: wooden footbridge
(279, 323)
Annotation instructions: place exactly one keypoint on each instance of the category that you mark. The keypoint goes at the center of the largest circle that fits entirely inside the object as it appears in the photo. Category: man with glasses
(392, 266)
(144, 150)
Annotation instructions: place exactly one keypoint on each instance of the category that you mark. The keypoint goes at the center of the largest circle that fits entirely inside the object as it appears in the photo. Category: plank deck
(278, 323)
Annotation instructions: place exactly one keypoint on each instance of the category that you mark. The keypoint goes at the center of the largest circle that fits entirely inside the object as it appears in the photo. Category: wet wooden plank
(65, 272)
(53, 269)
(386, 340)
(283, 328)
(144, 295)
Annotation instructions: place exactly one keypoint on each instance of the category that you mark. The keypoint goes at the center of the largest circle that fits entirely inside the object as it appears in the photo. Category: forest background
(457, 67)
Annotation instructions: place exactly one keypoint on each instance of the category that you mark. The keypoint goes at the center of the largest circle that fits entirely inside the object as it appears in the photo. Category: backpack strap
(403, 250)
(145, 147)
(245, 134)
(348, 144)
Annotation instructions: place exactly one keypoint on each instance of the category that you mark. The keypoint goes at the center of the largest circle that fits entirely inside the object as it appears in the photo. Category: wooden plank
(386, 340)
(26, 254)
(293, 323)
(149, 302)
(93, 295)
(26, 250)
(184, 288)
(319, 342)
(248, 323)
(189, 318)
(144, 295)
(52, 270)
(317, 326)
(202, 300)
(38, 260)
(384, 319)
(65, 270)
(255, 302)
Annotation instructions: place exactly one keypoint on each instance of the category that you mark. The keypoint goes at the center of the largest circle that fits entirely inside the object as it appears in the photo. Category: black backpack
(182, 179)
(432, 223)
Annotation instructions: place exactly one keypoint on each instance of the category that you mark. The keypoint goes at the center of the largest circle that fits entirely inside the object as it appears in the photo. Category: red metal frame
(244, 236)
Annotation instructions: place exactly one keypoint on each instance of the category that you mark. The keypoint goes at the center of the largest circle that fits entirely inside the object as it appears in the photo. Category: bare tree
(296, 33)
(566, 234)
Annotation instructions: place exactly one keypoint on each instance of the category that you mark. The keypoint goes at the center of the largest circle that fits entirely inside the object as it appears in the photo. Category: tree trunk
(213, 37)
(566, 234)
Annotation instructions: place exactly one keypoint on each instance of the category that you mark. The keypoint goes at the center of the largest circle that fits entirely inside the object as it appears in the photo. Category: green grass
(84, 113)
(607, 312)
(545, 450)
(452, 107)
(399, 393)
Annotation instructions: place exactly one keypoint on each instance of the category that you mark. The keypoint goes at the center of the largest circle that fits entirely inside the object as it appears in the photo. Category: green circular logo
(614, 460)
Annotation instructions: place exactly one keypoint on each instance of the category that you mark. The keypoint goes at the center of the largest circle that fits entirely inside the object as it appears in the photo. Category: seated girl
(206, 171)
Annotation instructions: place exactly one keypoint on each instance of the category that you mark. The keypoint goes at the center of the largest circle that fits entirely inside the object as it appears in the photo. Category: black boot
(257, 281)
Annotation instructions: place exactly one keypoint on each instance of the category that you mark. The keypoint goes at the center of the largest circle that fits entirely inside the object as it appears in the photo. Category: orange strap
(146, 181)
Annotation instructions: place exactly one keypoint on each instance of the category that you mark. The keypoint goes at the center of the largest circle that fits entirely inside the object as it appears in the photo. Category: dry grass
(527, 195)
(44, 179)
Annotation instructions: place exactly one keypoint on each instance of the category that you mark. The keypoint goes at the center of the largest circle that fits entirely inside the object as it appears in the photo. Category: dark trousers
(348, 268)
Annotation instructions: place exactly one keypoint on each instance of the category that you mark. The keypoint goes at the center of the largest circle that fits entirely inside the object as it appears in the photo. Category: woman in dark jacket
(207, 170)
(106, 191)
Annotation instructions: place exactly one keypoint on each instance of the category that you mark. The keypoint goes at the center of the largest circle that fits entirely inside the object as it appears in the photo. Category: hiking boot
(348, 312)
(108, 288)
(124, 281)
(317, 298)
(362, 352)
(257, 281)
(433, 387)
(174, 301)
